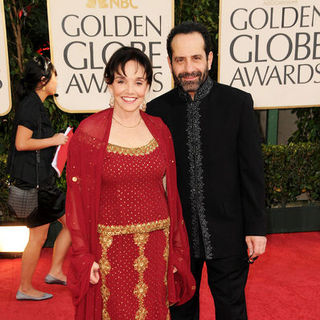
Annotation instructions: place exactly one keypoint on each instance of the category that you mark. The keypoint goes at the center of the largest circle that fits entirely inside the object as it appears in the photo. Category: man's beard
(190, 86)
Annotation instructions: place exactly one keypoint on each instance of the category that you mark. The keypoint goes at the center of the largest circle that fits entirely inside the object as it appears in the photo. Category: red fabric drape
(84, 166)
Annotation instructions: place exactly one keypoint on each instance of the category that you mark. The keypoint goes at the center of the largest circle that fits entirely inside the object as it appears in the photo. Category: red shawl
(85, 161)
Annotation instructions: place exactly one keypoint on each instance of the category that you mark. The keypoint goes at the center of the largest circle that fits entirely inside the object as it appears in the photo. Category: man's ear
(169, 63)
(210, 59)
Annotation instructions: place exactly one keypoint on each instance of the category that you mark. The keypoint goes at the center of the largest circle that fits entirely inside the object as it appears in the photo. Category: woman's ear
(43, 80)
(110, 88)
(111, 102)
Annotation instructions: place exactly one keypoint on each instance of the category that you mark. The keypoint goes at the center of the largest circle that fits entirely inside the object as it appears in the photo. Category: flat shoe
(22, 296)
(52, 280)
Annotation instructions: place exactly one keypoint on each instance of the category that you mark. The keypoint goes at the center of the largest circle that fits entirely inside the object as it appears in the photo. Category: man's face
(189, 64)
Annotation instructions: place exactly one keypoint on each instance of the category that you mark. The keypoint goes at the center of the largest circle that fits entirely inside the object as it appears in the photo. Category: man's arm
(252, 180)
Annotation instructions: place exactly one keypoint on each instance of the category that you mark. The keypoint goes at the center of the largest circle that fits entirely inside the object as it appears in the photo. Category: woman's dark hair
(186, 28)
(37, 70)
(119, 59)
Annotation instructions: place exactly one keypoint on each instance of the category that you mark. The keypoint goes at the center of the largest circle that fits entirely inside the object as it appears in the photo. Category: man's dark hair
(119, 59)
(186, 28)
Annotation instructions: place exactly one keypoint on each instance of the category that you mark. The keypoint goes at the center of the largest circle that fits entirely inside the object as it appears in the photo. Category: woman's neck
(128, 117)
(42, 94)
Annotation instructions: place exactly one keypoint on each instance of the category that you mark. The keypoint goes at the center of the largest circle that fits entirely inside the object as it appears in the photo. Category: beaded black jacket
(219, 166)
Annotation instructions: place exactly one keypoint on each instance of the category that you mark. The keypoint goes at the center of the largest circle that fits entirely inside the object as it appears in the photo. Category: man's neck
(192, 94)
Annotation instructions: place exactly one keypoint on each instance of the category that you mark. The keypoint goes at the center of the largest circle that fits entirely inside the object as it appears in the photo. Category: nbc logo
(123, 4)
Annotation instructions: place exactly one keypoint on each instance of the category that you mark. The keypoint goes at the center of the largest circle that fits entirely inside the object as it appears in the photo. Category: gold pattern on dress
(140, 265)
(166, 258)
(105, 267)
(133, 228)
(140, 233)
(139, 151)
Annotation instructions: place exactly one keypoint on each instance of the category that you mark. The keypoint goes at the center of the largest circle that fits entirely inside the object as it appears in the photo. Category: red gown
(86, 216)
(133, 227)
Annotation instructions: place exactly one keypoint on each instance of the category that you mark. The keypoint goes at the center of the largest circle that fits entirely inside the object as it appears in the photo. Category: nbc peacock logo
(279, 2)
(103, 4)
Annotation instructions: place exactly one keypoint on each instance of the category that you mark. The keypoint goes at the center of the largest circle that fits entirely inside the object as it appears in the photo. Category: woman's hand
(60, 138)
(175, 269)
(94, 273)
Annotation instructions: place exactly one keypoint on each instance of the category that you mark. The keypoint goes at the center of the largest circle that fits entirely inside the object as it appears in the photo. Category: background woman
(130, 254)
(39, 81)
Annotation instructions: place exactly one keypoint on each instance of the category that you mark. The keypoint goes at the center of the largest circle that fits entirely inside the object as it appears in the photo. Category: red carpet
(284, 284)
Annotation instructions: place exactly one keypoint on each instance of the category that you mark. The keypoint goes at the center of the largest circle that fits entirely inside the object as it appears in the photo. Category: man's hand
(256, 246)
(94, 273)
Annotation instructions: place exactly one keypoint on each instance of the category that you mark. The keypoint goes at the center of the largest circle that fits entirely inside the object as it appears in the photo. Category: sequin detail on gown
(134, 234)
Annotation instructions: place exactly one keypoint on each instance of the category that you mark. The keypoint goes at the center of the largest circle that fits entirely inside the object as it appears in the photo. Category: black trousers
(227, 279)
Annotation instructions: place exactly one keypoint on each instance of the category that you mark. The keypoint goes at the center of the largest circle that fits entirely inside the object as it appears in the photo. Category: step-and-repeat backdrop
(85, 33)
(271, 48)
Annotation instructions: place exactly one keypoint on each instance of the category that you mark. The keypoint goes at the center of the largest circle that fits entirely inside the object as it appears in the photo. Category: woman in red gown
(130, 253)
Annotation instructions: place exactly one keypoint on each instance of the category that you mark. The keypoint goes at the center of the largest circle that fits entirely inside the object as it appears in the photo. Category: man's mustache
(188, 74)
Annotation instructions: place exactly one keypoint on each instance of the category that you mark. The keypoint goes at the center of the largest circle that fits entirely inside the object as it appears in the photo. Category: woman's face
(51, 86)
(129, 89)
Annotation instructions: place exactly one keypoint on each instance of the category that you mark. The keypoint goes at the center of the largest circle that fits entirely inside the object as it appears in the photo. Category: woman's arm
(25, 142)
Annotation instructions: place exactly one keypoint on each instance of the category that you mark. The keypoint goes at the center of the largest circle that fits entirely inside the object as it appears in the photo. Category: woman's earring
(111, 102)
(143, 106)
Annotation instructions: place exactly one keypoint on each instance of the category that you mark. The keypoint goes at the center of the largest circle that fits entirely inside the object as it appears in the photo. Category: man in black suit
(219, 172)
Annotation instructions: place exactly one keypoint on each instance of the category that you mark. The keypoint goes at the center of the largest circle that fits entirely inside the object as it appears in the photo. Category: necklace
(130, 127)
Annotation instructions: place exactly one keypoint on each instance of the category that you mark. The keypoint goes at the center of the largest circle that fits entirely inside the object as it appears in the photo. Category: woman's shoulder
(28, 111)
(94, 119)
(29, 105)
(94, 126)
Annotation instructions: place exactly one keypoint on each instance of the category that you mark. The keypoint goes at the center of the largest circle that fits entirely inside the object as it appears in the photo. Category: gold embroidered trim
(140, 233)
(166, 258)
(140, 265)
(139, 151)
(105, 267)
(134, 228)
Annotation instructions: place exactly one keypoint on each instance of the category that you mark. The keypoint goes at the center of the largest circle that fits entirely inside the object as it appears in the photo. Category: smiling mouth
(129, 99)
(189, 78)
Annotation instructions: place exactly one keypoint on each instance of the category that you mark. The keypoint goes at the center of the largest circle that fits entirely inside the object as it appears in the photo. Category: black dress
(22, 164)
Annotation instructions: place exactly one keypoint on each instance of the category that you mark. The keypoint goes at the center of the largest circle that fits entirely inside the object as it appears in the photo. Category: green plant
(291, 170)
(308, 125)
